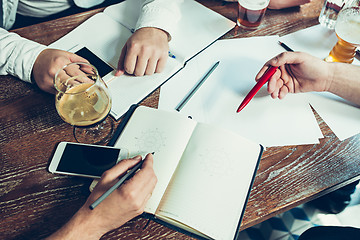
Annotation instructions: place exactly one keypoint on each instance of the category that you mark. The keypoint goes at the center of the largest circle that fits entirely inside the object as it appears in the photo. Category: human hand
(280, 4)
(144, 53)
(297, 72)
(48, 63)
(125, 203)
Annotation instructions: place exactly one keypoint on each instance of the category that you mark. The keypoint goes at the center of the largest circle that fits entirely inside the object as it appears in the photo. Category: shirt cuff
(23, 58)
(164, 18)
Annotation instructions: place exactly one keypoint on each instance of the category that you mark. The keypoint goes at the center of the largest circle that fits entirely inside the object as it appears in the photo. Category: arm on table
(120, 206)
(301, 72)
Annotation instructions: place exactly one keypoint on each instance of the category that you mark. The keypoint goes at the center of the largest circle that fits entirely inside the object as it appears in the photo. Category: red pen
(264, 78)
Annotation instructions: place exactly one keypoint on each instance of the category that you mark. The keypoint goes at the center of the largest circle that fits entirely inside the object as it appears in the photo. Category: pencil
(286, 47)
(127, 176)
(196, 87)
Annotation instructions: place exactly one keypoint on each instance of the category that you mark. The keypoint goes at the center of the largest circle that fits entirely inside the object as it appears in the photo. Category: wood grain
(35, 203)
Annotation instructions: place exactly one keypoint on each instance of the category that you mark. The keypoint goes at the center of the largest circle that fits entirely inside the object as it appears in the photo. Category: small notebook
(204, 172)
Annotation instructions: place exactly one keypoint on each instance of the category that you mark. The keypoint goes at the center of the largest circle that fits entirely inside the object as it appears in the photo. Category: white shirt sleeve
(17, 55)
(163, 14)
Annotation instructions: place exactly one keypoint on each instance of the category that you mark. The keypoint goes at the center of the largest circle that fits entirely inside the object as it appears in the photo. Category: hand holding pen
(127, 201)
(262, 77)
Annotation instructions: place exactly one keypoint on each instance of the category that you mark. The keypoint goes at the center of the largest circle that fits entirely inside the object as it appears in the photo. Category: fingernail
(119, 73)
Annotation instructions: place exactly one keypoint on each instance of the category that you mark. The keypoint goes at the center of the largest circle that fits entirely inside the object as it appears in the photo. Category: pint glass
(347, 29)
(251, 12)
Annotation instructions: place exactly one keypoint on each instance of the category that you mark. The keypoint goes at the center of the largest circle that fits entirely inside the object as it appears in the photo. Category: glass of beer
(83, 100)
(250, 13)
(347, 29)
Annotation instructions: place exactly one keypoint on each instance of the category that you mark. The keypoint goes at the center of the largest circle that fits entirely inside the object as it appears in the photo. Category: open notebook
(106, 33)
(205, 173)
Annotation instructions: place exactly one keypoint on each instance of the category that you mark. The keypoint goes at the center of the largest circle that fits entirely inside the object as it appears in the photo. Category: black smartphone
(85, 160)
(102, 67)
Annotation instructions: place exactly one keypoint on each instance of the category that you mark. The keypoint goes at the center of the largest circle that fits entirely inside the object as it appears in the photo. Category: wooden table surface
(35, 203)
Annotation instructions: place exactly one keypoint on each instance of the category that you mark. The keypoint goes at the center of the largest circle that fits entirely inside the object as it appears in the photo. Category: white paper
(340, 115)
(264, 120)
(105, 36)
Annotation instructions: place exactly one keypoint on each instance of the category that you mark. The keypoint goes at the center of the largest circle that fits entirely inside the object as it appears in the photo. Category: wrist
(331, 83)
(88, 222)
(156, 31)
(80, 226)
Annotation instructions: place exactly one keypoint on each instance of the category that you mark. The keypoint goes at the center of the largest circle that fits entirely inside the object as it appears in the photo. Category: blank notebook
(204, 172)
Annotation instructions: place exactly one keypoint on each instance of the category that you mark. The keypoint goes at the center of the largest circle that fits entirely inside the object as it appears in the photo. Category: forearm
(345, 81)
(80, 226)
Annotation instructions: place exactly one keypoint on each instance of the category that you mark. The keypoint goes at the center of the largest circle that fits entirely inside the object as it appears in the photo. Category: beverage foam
(253, 5)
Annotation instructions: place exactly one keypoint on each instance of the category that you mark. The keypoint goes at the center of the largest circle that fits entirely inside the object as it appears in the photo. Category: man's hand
(298, 72)
(125, 203)
(145, 52)
(48, 63)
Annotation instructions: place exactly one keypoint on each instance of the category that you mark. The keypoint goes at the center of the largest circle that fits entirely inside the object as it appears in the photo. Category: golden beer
(347, 30)
(83, 105)
(83, 100)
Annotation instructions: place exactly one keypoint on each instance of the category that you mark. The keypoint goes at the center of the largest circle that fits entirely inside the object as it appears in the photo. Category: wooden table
(35, 203)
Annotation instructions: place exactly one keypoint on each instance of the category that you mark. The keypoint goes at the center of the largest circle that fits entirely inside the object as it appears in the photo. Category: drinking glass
(347, 29)
(329, 12)
(251, 12)
(83, 100)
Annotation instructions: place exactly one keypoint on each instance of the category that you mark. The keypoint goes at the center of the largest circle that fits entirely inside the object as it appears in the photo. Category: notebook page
(151, 130)
(209, 188)
(218, 98)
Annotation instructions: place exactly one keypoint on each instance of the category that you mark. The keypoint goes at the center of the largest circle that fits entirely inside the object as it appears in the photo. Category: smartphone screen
(102, 67)
(84, 160)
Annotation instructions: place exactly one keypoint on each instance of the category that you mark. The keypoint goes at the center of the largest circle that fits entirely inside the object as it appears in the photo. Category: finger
(275, 94)
(262, 71)
(151, 66)
(144, 181)
(161, 64)
(130, 61)
(283, 91)
(287, 58)
(120, 68)
(79, 73)
(141, 64)
(273, 81)
(119, 169)
(76, 58)
(278, 85)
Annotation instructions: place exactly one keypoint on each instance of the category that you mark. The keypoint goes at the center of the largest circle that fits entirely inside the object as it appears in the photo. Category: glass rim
(76, 63)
